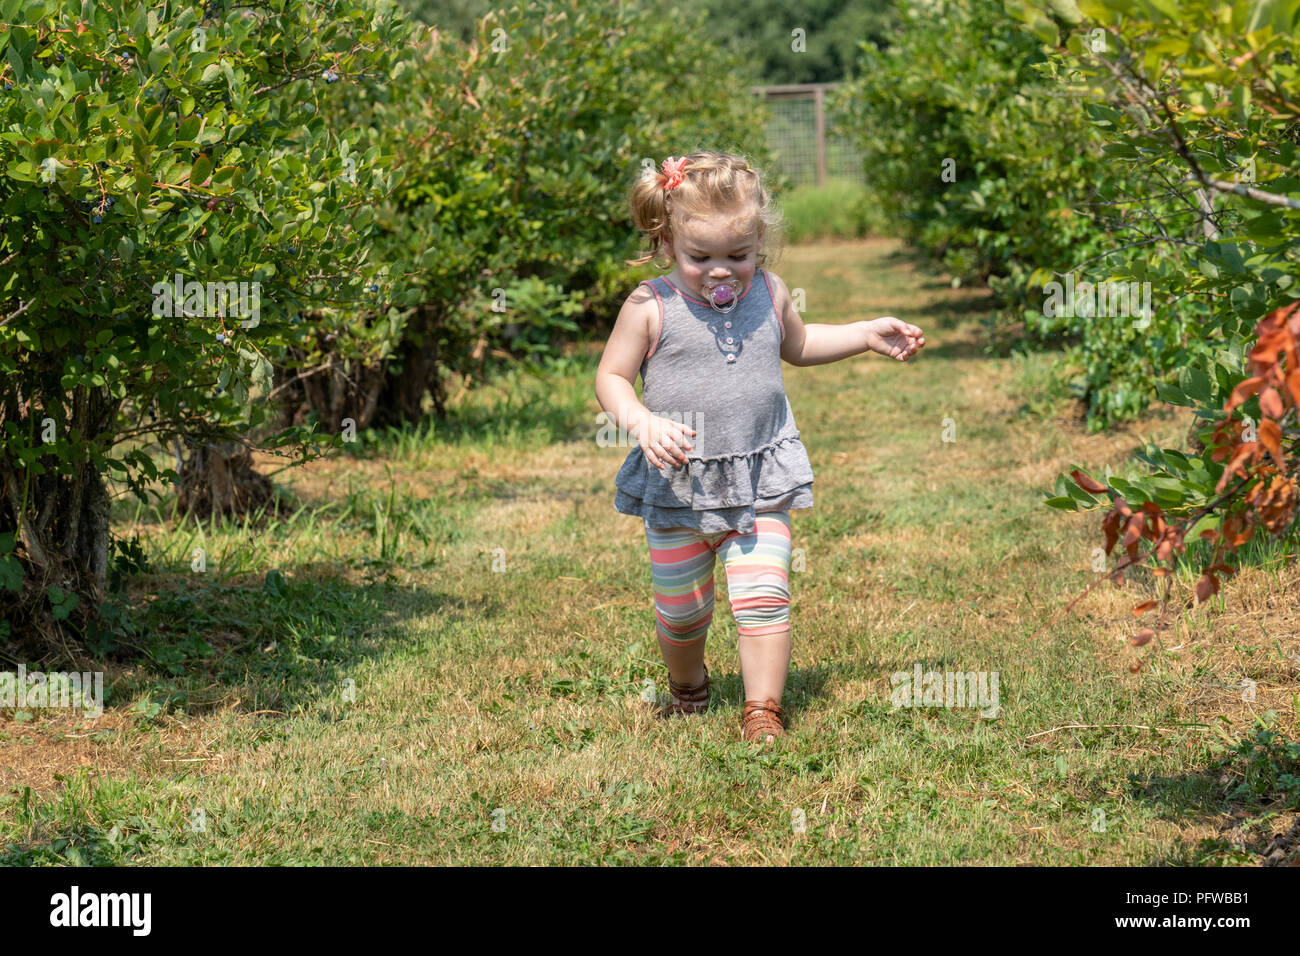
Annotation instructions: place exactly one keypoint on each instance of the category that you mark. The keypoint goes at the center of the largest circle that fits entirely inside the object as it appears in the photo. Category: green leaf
(11, 573)
(1278, 14)
(1196, 384)
(1171, 394)
(201, 170)
(159, 57)
(1064, 502)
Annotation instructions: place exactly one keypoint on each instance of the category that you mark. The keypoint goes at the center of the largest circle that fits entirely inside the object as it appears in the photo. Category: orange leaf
(1293, 386)
(1233, 467)
(1243, 391)
(1270, 403)
(1142, 637)
(1086, 483)
(1110, 525)
(1144, 607)
(1160, 572)
(1207, 586)
(1270, 436)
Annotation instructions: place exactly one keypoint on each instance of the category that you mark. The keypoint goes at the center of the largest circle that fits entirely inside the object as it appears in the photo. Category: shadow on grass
(285, 645)
(1197, 799)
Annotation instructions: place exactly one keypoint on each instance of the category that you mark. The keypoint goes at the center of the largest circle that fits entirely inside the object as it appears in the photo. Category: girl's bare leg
(685, 662)
(764, 664)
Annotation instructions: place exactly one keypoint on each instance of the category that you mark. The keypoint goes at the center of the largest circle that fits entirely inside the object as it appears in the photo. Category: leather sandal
(694, 700)
(761, 721)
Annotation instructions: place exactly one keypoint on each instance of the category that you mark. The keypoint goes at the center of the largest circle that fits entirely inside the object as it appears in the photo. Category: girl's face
(719, 249)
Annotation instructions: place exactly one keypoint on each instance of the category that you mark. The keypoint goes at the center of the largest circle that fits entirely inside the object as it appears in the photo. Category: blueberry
(111, 201)
(219, 391)
(9, 86)
(374, 288)
(97, 220)
(293, 250)
(45, 190)
(59, 57)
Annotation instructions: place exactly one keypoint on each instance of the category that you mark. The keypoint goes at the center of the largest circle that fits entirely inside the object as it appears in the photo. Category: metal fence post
(803, 139)
(820, 98)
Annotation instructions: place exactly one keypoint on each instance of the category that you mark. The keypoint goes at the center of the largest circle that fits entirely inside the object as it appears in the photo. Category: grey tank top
(719, 374)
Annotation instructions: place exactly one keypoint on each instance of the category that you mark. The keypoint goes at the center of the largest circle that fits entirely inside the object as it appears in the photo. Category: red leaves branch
(1270, 494)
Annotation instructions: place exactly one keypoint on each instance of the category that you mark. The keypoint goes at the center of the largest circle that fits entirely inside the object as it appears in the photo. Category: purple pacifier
(722, 297)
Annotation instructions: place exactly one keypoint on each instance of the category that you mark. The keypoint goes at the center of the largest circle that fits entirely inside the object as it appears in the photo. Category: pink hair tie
(675, 170)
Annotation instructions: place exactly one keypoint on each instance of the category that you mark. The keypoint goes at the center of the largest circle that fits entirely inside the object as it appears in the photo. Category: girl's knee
(761, 614)
(685, 618)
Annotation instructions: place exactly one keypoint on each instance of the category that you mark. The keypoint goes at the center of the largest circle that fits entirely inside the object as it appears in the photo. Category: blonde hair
(710, 182)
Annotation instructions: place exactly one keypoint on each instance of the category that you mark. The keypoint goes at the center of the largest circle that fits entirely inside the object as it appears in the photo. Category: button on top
(729, 340)
(731, 356)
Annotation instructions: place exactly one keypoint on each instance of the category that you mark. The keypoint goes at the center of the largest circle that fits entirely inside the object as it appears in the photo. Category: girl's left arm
(820, 344)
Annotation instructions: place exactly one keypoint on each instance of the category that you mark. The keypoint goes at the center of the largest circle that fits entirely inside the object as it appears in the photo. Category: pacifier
(722, 297)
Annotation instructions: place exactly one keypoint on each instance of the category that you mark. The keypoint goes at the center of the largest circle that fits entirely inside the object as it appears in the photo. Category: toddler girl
(719, 463)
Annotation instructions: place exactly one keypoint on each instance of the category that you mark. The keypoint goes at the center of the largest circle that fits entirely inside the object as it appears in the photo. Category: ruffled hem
(730, 487)
(741, 518)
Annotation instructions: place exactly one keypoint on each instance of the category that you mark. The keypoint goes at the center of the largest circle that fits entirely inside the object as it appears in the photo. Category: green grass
(839, 209)
(437, 656)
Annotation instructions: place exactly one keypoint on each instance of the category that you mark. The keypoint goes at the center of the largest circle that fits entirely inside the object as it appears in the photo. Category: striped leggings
(682, 561)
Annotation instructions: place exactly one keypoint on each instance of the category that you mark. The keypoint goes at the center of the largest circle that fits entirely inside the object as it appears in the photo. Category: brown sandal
(694, 700)
(761, 721)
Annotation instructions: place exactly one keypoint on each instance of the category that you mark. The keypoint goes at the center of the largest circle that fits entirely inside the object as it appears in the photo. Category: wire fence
(805, 136)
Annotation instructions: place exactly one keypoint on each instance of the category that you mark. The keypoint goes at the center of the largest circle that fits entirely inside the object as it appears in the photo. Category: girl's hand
(663, 438)
(894, 338)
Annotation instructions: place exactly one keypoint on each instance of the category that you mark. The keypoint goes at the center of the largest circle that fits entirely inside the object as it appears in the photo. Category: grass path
(491, 615)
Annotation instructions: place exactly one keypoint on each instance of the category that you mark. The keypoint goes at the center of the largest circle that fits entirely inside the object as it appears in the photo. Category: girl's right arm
(660, 438)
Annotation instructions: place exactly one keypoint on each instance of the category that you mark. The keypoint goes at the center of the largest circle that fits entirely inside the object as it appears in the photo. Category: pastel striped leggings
(757, 564)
